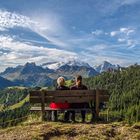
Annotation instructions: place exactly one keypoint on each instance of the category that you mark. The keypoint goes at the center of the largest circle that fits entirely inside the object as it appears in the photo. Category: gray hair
(60, 80)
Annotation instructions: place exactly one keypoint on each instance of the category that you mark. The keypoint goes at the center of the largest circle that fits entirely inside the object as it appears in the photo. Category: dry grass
(66, 131)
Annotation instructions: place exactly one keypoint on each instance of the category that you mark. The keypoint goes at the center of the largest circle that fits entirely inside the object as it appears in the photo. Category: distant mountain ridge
(106, 66)
(5, 83)
(31, 74)
(28, 75)
(71, 68)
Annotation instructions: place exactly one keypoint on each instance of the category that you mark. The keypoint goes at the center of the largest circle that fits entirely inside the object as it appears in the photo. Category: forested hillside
(124, 88)
(13, 95)
(14, 103)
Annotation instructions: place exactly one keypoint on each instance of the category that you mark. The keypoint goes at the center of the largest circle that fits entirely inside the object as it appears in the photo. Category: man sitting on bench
(79, 86)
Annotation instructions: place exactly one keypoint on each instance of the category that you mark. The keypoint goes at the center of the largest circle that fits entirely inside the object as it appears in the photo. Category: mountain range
(31, 74)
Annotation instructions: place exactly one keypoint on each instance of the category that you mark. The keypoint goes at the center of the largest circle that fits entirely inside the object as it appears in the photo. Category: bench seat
(58, 109)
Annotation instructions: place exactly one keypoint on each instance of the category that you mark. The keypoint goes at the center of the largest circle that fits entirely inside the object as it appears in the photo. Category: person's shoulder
(57, 88)
(84, 87)
(73, 87)
(62, 88)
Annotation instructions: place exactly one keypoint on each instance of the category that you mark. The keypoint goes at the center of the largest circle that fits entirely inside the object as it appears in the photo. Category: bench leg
(83, 114)
(54, 116)
(66, 116)
(72, 115)
(48, 115)
(107, 115)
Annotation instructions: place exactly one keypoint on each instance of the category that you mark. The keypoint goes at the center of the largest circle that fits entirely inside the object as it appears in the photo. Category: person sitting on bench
(79, 86)
(61, 86)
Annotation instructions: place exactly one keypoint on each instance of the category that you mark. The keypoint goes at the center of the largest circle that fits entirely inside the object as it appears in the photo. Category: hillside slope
(5, 83)
(124, 88)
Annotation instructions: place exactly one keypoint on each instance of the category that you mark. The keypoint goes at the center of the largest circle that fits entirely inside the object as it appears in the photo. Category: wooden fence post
(43, 105)
(97, 102)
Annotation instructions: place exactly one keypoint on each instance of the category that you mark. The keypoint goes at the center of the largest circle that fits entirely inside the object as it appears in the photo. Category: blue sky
(59, 30)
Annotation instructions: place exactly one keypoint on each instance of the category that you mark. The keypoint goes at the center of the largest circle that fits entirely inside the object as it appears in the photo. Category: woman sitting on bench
(61, 86)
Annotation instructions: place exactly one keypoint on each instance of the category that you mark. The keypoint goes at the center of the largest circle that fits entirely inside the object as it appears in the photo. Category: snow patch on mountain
(77, 63)
(53, 65)
(57, 65)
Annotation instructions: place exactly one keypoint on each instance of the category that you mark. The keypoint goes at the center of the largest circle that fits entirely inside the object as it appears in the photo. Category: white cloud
(125, 35)
(10, 20)
(129, 2)
(21, 53)
(52, 29)
(99, 58)
(97, 48)
(117, 54)
(121, 39)
(97, 32)
(127, 31)
(47, 26)
(122, 31)
(113, 33)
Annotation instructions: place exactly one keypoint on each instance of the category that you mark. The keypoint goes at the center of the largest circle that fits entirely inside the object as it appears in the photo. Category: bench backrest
(70, 96)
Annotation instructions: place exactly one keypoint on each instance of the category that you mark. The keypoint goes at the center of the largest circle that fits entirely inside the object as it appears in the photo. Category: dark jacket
(82, 87)
(62, 88)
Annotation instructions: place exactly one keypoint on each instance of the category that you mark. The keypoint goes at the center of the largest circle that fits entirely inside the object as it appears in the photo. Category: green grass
(16, 87)
(69, 83)
(20, 104)
(17, 105)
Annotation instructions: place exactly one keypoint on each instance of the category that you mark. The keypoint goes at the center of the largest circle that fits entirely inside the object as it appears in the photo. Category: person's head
(61, 81)
(78, 80)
